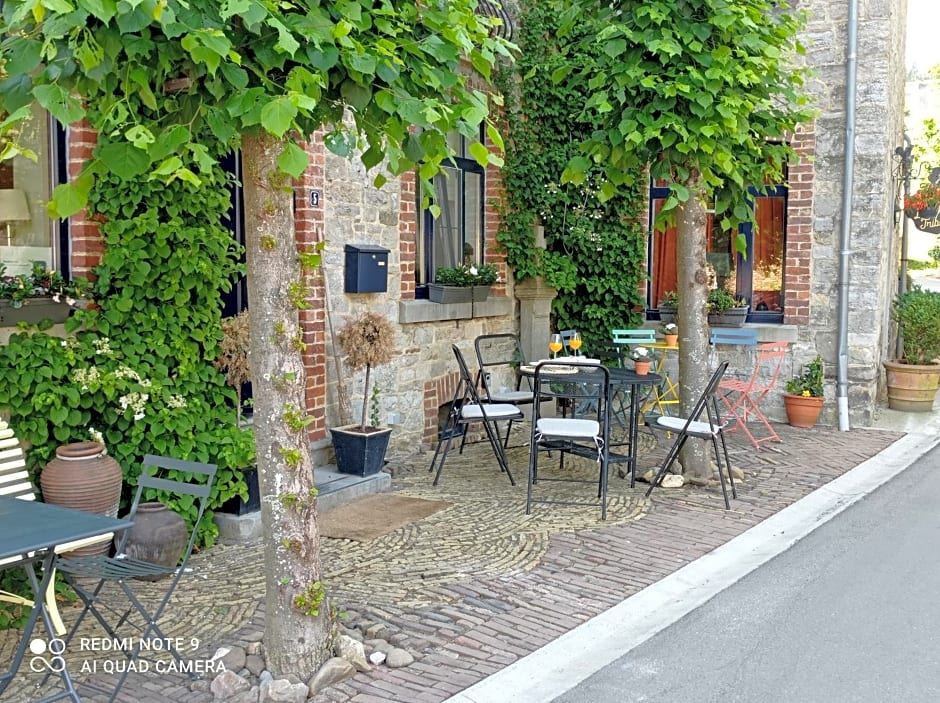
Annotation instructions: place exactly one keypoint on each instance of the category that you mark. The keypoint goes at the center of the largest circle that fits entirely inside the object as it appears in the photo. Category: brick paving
(478, 585)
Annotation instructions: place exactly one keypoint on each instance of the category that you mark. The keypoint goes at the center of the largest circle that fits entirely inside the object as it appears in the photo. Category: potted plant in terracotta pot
(642, 359)
(912, 380)
(367, 342)
(805, 395)
(670, 332)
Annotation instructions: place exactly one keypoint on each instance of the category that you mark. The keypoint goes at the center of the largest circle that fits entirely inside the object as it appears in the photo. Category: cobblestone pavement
(479, 584)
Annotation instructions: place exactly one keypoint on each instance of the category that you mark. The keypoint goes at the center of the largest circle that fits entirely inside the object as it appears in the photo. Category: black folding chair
(466, 408)
(501, 354)
(182, 478)
(585, 434)
(712, 428)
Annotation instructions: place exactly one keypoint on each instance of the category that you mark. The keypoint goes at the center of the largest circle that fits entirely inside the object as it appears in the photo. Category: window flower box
(438, 293)
(33, 311)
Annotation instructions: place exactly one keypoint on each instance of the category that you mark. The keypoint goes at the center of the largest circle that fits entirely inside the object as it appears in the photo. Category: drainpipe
(845, 235)
(904, 153)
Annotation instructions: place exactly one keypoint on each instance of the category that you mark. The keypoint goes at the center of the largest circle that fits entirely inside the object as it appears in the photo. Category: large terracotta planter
(802, 411)
(911, 387)
(84, 477)
(158, 536)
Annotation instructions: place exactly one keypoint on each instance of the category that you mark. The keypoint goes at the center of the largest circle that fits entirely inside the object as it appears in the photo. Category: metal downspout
(904, 153)
(845, 236)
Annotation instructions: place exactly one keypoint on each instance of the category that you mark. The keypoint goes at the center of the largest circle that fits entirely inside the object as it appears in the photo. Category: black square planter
(237, 506)
(360, 453)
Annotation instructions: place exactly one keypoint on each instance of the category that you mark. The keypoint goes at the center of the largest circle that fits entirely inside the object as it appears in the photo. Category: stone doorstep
(335, 489)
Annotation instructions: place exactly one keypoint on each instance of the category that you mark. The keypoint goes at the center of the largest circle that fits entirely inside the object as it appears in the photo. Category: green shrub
(720, 300)
(810, 382)
(917, 313)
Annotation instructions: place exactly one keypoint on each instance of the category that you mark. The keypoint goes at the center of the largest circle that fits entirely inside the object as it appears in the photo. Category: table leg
(49, 661)
(634, 424)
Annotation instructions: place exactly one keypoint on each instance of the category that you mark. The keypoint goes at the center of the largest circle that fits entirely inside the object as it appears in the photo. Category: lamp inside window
(13, 208)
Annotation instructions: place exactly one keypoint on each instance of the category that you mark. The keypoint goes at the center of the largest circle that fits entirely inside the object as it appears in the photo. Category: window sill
(414, 311)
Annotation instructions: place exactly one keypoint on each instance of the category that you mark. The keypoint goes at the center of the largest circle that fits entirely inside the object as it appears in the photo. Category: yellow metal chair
(665, 394)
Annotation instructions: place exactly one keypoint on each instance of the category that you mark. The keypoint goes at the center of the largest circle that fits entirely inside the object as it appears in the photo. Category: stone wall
(422, 376)
(873, 248)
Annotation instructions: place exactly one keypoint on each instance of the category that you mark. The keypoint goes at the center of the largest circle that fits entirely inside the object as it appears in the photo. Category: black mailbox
(366, 268)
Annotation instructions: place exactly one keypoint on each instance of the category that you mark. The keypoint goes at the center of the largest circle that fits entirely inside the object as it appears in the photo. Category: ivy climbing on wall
(136, 369)
(595, 251)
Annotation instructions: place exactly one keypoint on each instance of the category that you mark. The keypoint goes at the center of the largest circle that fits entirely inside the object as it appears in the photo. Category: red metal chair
(742, 398)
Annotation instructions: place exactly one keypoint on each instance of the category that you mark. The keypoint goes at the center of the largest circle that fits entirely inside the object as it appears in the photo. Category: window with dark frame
(456, 236)
(757, 276)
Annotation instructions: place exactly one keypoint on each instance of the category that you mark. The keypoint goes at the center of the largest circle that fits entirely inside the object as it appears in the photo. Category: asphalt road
(850, 614)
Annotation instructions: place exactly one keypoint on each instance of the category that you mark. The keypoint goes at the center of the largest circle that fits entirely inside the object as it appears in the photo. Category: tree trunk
(692, 317)
(296, 640)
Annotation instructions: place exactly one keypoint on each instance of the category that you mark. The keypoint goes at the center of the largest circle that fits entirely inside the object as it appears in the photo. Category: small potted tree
(804, 398)
(912, 380)
(367, 342)
(233, 361)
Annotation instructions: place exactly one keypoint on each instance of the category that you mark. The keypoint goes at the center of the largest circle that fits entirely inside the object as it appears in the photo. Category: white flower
(640, 353)
(95, 435)
(670, 328)
(473, 271)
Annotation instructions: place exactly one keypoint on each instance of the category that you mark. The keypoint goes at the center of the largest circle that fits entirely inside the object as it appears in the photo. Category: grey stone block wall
(873, 255)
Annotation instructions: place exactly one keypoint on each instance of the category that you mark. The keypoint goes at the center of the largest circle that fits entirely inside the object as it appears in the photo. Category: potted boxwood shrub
(912, 380)
(366, 342)
(724, 310)
(804, 398)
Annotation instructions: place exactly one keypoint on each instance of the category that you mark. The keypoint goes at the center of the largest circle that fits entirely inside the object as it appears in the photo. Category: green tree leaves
(227, 68)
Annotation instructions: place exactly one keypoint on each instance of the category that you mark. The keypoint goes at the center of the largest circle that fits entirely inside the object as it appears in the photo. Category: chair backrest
(586, 387)
(767, 365)
(739, 336)
(14, 479)
(638, 336)
(497, 350)
(175, 477)
(466, 390)
(707, 402)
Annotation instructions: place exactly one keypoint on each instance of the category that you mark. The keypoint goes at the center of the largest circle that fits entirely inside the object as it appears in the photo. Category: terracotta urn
(82, 476)
(158, 536)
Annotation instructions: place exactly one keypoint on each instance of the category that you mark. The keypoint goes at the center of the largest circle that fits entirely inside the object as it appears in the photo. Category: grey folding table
(31, 530)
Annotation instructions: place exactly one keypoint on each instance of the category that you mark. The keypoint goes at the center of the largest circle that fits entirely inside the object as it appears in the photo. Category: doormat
(371, 517)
